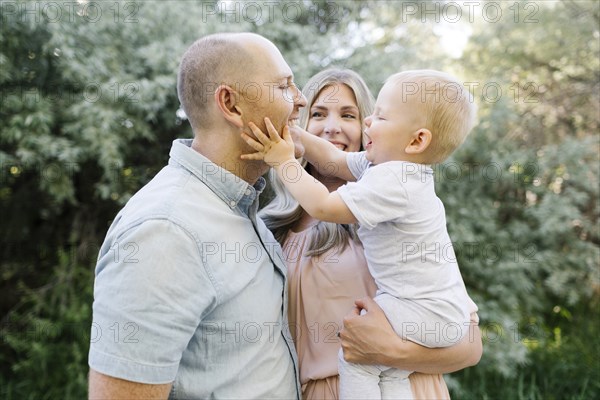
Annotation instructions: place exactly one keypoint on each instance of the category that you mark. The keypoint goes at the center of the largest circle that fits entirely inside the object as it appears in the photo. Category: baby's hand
(271, 149)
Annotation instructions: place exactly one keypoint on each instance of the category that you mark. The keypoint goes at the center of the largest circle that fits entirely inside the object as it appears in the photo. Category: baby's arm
(312, 195)
(324, 156)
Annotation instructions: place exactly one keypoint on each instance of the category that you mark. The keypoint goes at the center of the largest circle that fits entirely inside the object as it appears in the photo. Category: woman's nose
(332, 125)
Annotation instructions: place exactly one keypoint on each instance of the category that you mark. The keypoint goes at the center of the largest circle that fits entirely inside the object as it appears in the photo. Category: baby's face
(397, 115)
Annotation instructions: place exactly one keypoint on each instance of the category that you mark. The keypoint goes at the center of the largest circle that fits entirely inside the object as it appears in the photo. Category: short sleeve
(150, 294)
(379, 196)
(357, 163)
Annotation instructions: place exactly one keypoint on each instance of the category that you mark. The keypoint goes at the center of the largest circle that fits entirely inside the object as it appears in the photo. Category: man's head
(209, 62)
(227, 80)
(241, 77)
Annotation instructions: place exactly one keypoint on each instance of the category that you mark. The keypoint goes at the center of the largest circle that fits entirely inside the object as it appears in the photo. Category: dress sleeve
(150, 294)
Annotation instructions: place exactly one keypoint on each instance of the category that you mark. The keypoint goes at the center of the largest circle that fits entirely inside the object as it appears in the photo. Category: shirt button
(232, 203)
(248, 192)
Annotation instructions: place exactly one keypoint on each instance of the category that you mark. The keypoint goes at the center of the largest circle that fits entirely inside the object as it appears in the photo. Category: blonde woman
(327, 270)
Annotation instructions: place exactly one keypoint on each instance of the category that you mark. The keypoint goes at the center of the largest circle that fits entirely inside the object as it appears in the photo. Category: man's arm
(324, 156)
(131, 291)
(106, 387)
(312, 195)
(370, 339)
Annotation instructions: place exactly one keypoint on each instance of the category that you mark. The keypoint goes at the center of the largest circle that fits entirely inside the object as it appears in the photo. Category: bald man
(190, 291)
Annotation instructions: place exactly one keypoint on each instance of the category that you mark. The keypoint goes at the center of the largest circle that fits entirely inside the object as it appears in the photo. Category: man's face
(271, 91)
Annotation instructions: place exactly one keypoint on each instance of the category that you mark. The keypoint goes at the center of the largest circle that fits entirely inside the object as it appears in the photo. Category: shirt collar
(230, 188)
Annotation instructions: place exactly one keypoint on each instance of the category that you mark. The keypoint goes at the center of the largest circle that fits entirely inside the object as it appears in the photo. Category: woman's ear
(227, 100)
(421, 139)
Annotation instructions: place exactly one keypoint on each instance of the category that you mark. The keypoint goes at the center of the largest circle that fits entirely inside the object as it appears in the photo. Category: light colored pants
(410, 321)
(366, 382)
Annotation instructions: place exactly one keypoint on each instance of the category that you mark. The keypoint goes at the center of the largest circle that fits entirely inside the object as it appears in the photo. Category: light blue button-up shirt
(190, 288)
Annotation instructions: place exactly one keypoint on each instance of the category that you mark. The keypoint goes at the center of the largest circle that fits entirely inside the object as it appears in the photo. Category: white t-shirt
(403, 230)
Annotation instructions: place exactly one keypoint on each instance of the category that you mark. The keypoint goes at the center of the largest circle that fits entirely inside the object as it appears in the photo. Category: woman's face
(334, 116)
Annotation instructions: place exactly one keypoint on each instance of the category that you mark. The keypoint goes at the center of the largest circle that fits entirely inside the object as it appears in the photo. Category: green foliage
(544, 57)
(48, 335)
(516, 216)
(563, 364)
(89, 109)
(524, 204)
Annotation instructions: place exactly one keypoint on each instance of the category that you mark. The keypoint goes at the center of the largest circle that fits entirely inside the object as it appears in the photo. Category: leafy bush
(89, 109)
(45, 338)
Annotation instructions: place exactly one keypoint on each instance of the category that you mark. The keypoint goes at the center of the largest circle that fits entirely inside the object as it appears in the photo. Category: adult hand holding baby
(366, 334)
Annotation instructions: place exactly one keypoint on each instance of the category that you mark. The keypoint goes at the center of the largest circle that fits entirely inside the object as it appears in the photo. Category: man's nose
(300, 100)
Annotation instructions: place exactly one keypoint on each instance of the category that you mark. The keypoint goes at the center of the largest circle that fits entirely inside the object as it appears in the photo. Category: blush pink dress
(322, 291)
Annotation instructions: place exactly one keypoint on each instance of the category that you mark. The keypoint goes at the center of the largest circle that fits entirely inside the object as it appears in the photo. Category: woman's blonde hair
(283, 212)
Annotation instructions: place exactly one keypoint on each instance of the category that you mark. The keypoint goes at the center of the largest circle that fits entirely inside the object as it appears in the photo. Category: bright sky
(453, 37)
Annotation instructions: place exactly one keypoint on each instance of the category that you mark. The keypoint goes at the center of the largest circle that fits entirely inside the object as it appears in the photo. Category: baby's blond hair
(450, 111)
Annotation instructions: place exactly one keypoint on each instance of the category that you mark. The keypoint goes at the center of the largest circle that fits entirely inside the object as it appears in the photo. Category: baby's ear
(421, 139)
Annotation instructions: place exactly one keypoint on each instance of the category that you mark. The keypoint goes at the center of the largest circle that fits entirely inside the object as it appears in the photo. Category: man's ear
(227, 100)
(421, 139)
